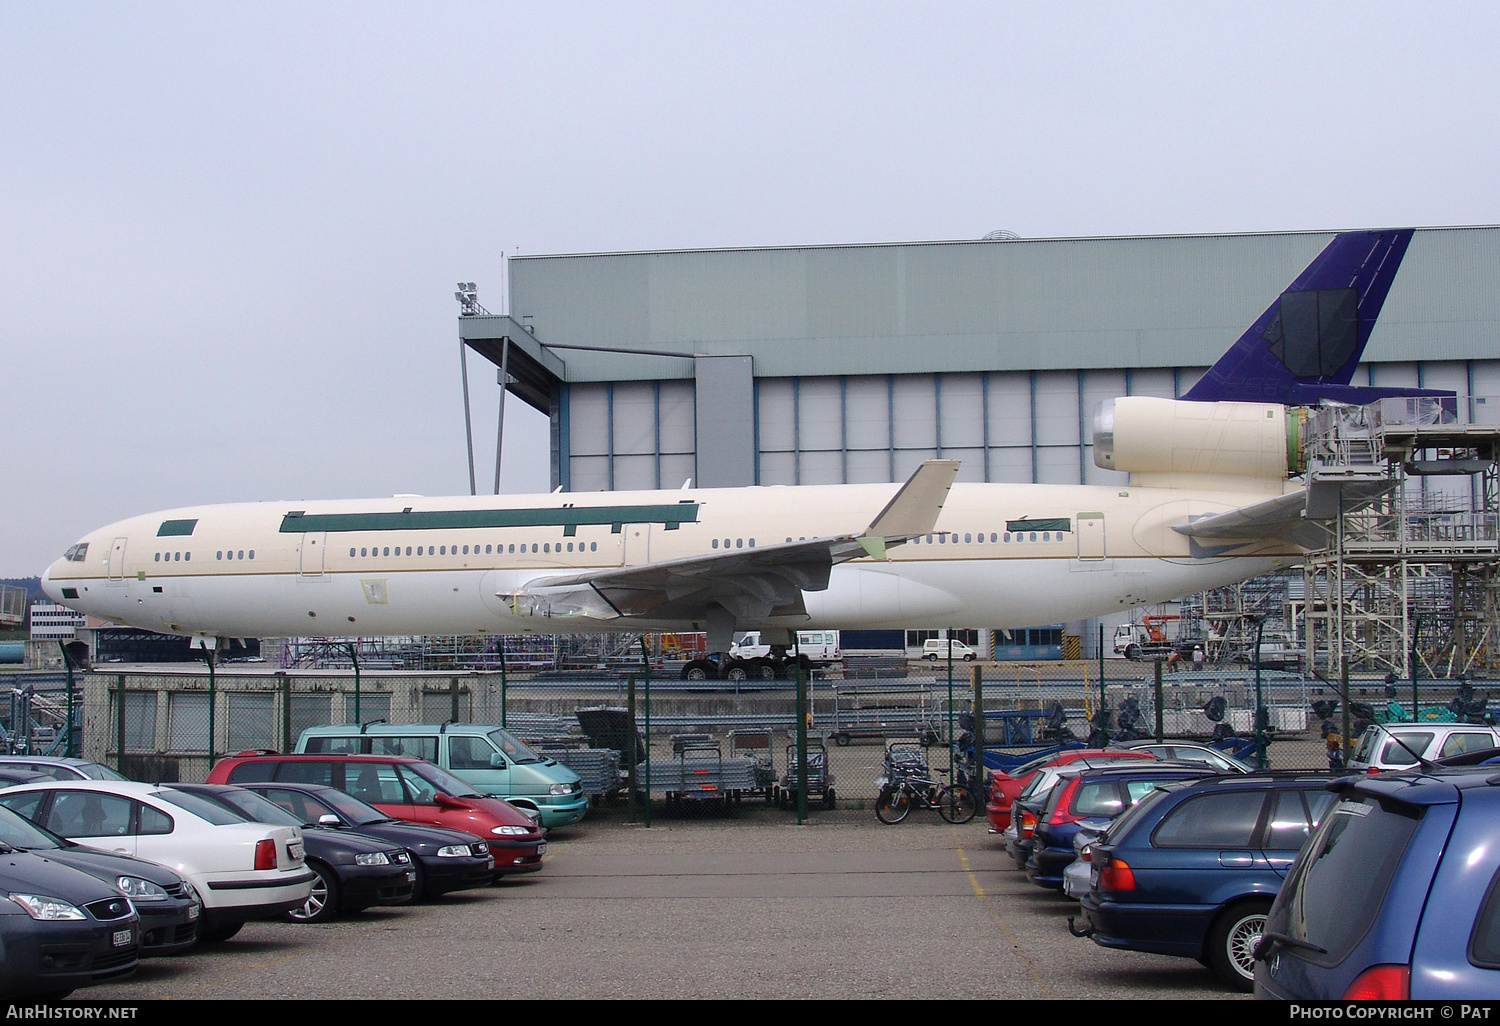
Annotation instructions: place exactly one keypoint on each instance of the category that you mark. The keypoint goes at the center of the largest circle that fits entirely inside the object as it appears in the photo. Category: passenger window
(332, 746)
(298, 772)
(295, 802)
(252, 772)
(469, 753)
(1406, 751)
(1225, 820)
(421, 792)
(154, 821)
(375, 783)
(1135, 790)
(89, 814)
(1289, 826)
(1460, 743)
(421, 747)
(24, 804)
(1101, 799)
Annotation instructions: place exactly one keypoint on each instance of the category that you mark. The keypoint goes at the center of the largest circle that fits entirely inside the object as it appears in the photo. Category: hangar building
(853, 363)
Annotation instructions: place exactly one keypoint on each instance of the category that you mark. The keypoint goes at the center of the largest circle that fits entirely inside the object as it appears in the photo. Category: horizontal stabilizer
(1297, 515)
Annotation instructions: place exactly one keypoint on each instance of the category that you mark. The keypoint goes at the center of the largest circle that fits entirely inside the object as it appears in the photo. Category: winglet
(914, 509)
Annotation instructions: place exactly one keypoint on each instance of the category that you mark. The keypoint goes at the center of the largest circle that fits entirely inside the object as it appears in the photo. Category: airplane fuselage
(1002, 555)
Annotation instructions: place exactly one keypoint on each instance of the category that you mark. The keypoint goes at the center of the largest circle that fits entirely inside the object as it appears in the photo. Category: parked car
(354, 870)
(405, 788)
(1193, 868)
(61, 929)
(1191, 751)
(1005, 787)
(1093, 798)
(169, 907)
(490, 759)
(934, 649)
(444, 860)
(1396, 896)
(1388, 746)
(241, 871)
(1025, 812)
(57, 767)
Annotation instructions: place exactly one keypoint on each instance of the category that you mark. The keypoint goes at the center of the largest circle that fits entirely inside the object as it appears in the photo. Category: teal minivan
(490, 758)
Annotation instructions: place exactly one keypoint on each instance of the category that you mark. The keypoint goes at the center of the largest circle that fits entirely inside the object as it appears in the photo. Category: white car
(1387, 746)
(241, 871)
(934, 649)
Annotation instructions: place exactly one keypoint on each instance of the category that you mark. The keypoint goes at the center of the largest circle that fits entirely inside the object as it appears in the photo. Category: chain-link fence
(712, 747)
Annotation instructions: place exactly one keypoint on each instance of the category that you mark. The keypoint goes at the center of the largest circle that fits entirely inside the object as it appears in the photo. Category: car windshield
(512, 746)
(19, 832)
(249, 806)
(350, 808)
(204, 810)
(444, 781)
(94, 771)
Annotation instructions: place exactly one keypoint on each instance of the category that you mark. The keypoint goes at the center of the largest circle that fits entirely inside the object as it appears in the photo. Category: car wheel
(970, 657)
(931, 657)
(765, 670)
(694, 671)
(1232, 941)
(1132, 651)
(737, 673)
(419, 885)
(323, 902)
(842, 740)
(218, 933)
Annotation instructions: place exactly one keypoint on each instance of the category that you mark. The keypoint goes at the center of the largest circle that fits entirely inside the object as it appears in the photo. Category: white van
(934, 649)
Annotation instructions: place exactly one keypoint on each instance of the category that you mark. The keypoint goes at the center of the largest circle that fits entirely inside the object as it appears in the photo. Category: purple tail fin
(1306, 345)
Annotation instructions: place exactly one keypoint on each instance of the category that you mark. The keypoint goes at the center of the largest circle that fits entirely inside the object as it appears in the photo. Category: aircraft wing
(743, 586)
(1297, 516)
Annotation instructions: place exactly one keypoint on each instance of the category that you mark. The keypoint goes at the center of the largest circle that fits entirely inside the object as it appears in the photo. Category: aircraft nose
(51, 590)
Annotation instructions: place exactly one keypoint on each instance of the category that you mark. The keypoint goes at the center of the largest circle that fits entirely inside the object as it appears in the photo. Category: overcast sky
(230, 233)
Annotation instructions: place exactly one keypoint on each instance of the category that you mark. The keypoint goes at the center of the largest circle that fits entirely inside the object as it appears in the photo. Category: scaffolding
(1407, 579)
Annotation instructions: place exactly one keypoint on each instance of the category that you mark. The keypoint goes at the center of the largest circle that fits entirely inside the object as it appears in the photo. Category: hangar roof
(1028, 304)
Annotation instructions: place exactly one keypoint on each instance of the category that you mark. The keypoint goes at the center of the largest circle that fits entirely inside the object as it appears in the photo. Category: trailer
(866, 712)
(698, 771)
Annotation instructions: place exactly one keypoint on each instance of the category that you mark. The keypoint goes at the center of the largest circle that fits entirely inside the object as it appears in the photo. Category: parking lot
(752, 906)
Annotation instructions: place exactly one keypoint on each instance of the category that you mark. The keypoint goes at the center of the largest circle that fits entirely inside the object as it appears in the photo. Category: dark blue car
(1397, 895)
(1093, 798)
(1192, 870)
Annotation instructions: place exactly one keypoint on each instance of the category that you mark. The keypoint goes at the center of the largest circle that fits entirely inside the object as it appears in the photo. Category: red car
(1004, 787)
(404, 788)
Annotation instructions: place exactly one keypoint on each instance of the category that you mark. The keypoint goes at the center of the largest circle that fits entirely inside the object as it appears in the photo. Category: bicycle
(955, 803)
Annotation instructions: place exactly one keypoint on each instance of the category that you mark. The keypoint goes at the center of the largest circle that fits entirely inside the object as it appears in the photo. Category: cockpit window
(175, 528)
(76, 553)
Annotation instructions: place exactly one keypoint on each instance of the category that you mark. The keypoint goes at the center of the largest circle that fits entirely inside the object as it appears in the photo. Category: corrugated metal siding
(1027, 305)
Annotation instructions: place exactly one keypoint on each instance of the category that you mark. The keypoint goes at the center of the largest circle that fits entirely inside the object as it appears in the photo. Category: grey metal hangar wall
(812, 365)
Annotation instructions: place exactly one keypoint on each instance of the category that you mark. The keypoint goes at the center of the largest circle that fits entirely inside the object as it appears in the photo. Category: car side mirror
(329, 819)
(497, 761)
(443, 801)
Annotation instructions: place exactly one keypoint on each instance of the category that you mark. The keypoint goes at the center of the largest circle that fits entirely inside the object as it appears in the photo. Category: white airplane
(1212, 498)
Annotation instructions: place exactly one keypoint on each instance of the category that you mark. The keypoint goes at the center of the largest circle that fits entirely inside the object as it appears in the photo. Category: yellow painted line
(994, 914)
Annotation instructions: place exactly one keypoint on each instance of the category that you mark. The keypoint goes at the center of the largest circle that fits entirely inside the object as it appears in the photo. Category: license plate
(489, 863)
(541, 849)
(193, 912)
(122, 938)
(295, 848)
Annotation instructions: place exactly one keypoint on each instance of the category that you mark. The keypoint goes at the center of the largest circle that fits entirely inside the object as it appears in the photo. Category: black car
(445, 860)
(168, 906)
(61, 929)
(354, 870)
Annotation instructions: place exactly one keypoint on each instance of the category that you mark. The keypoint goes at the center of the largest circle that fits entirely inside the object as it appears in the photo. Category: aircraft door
(637, 545)
(313, 544)
(1091, 536)
(117, 559)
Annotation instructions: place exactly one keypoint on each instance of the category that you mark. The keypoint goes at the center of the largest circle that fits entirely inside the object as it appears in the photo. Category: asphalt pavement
(751, 906)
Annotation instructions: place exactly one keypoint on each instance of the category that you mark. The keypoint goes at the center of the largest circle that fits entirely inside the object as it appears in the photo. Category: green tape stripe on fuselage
(441, 520)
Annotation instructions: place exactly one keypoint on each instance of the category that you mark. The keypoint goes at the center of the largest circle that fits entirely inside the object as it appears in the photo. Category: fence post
(1103, 694)
(1160, 734)
(646, 674)
(286, 711)
(631, 755)
(120, 726)
(802, 742)
(453, 700)
(502, 686)
(68, 740)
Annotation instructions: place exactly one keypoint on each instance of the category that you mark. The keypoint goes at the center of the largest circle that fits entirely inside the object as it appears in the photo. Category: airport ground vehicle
(489, 758)
(405, 788)
(168, 907)
(1157, 636)
(1193, 868)
(354, 871)
(1398, 745)
(61, 929)
(751, 659)
(1396, 896)
(445, 860)
(935, 649)
(1092, 798)
(241, 871)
